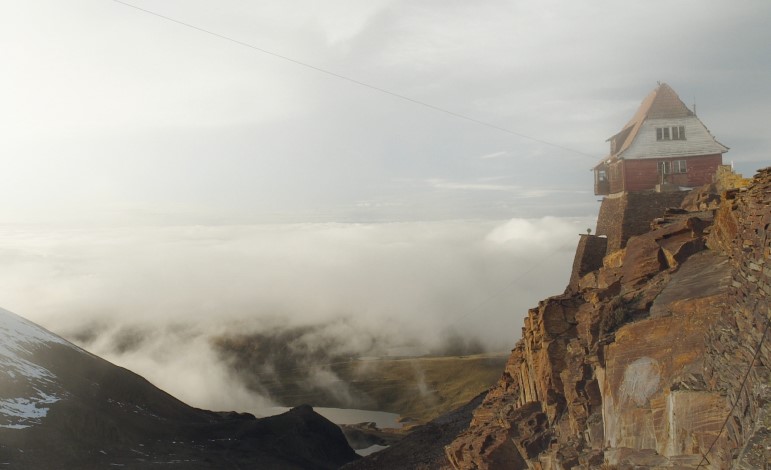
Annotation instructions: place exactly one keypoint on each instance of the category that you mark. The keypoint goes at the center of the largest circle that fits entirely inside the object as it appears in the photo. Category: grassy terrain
(421, 388)
(296, 366)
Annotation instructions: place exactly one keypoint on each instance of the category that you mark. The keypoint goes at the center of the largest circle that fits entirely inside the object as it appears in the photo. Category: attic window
(670, 133)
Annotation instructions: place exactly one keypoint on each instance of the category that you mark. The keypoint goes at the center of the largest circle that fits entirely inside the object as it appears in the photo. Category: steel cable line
(402, 97)
(355, 81)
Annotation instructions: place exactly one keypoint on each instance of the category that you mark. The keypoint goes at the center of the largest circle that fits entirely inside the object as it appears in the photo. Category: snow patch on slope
(19, 339)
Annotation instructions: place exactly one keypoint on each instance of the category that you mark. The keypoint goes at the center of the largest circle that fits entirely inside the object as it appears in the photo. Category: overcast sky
(111, 115)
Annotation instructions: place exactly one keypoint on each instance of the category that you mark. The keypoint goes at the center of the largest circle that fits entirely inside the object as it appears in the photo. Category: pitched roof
(662, 102)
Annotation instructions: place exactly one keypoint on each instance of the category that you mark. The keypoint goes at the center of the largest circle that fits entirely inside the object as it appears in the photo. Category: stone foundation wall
(589, 254)
(611, 212)
(630, 214)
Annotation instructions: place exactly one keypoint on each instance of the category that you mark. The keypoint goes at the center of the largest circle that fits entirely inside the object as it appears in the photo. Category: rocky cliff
(655, 356)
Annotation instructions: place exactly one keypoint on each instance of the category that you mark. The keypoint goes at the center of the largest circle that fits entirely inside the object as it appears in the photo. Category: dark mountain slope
(61, 407)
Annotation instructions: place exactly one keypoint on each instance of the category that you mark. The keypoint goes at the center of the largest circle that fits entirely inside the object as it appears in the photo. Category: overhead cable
(355, 81)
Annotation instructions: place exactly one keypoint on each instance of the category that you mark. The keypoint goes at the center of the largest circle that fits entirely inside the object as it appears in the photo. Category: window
(675, 166)
(670, 133)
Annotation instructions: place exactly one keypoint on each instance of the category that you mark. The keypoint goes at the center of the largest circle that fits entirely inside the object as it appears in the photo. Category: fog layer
(157, 299)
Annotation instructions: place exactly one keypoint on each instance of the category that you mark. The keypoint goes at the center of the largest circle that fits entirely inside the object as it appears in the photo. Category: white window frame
(670, 133)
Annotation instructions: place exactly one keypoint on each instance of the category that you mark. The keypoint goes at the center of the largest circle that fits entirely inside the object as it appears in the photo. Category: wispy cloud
(490, 156)
(443, 184)
(516, 190)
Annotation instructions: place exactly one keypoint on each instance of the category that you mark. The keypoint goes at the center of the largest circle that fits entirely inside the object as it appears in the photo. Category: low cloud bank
(157, 300)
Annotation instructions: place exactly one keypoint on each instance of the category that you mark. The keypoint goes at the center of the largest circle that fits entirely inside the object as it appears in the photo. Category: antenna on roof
(694, 105)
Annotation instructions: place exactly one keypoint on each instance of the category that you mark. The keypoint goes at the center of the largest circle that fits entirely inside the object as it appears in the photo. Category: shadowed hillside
(61, 407)
(417, 388)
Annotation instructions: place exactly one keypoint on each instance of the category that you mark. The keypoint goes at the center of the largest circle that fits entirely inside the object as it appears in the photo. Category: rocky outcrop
(423, 448)
(641, 363)
(738, 363)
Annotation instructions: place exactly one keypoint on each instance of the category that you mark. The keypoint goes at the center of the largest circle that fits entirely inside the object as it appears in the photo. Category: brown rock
(640, 363)
(643, 259)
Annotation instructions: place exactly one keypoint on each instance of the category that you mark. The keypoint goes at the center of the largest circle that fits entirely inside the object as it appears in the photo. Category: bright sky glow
(114, 116)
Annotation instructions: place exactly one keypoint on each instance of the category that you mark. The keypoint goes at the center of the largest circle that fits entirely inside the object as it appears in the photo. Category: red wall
(616, 174)
(701, 170)
(640, 175)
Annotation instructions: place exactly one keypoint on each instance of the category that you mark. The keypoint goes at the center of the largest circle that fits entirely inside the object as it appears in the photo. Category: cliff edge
(654, 357)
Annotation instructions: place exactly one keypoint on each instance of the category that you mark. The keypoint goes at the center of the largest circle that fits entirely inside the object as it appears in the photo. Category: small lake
(382, 419)
(370, 450)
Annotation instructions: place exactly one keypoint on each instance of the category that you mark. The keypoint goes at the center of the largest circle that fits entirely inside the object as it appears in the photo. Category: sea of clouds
(153, 299)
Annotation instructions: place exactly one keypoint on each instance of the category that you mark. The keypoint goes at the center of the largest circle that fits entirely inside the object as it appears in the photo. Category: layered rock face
(739, 345)
(641, 362)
